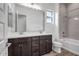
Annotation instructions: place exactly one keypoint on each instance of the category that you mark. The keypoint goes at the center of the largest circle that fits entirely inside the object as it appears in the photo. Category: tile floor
(63, 53)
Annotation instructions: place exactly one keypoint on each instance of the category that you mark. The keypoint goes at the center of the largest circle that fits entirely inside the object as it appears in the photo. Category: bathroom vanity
(26, 20)
(30, 45)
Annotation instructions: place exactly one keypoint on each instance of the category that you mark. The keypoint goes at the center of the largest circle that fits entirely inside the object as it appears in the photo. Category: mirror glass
(21, 23)
(10, 18)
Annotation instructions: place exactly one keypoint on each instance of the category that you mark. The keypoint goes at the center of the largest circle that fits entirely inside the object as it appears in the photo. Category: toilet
(57, 47)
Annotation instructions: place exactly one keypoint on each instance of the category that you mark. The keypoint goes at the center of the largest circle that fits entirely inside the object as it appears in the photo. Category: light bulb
(76, 18)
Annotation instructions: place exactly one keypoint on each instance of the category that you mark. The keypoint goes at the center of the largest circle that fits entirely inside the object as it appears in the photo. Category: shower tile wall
(63, 21)
(73, 10)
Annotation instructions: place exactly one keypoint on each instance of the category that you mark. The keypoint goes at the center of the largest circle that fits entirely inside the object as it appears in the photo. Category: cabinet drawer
(19, 40)
(35, 49)
(35, 45)
(43, 37)
(35, 38)
(15, 40)
(42, 52)
(35, 42)
(49, 36)
(10, 41)
(35, 53)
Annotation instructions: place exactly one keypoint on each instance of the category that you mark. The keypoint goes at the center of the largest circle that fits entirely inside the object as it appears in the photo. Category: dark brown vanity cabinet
(30, 46)
(20, 47)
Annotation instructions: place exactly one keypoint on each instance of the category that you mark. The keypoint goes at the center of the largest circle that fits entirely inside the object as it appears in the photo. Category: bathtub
(71, 45)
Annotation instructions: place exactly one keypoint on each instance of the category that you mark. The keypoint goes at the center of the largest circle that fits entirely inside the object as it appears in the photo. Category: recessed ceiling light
(76, 18)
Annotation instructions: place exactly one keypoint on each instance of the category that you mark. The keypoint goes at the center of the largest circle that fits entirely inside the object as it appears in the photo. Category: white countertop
(15, 35)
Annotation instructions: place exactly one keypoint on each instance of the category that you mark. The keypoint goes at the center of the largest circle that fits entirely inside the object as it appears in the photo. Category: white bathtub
(71, 45)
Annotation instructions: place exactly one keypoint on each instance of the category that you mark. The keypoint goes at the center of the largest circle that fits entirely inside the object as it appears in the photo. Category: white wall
(48, 6)
(52, 28)
(3, 19)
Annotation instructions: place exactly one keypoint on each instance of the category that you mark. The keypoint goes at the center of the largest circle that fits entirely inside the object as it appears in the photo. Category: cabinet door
(16, 49)
(26, 47)
(42, 46)
(48, 43)
(10, 50)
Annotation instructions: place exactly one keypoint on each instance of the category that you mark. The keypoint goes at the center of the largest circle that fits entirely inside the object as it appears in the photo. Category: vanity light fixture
(32, 5)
